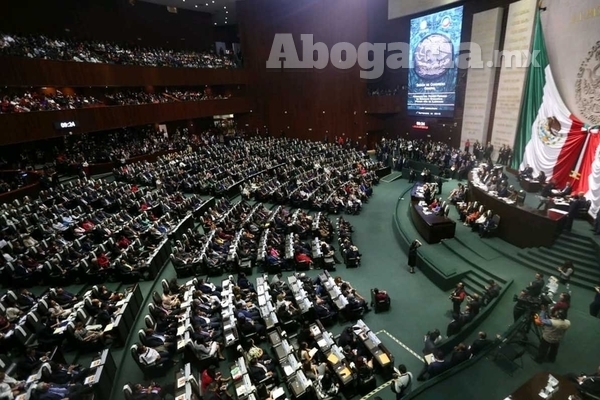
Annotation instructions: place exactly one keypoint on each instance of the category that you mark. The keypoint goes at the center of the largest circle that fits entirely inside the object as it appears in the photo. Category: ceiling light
(207, 4)
(196, 6)
(226, 12)
(215, 23)
(224, 6)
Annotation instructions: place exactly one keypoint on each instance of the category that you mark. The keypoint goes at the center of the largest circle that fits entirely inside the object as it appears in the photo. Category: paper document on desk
(288, 369)
(95, 363)
(345, 372)
(321, 343)
(181, 344)
(278, 392)
(57, 331)
(120, 303)
(181, 330)
(384, 359)
(89, 380)
(241, 390)
(94, 327)
(332, 358)
(109, 327)
(181, 382)
(312, 352)
(429, 358)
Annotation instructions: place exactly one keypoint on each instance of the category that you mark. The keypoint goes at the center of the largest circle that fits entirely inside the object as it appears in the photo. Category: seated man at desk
(54, 391)
(10, 387)
(248, 326)
(148, 355)
(526, 173)
(323, 309)
(260, 371)
(160, 341)
(152, 391)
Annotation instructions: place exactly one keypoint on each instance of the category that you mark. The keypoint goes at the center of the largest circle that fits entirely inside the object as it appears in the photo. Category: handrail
(511, 330)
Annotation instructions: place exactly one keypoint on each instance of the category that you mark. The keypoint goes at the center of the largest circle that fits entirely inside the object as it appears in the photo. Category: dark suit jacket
(479, 344)
(153, 341)
(436, 368)
(257, 373)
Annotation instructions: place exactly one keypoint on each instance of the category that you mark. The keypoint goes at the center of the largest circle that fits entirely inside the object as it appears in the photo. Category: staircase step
(474, 243)
(558, 257)
(563, 253)
(472, 287)
(478, 281)
(575, 236)
(586, 248)
(532, 264)
(580, 271)
(474, 260)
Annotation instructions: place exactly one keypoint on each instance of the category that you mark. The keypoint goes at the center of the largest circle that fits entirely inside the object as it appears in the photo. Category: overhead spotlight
(196, 6)
(226, 12)
(215, 23)
(225, 7)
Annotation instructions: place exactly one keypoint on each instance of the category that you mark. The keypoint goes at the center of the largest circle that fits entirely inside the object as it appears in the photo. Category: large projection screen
(434, 48)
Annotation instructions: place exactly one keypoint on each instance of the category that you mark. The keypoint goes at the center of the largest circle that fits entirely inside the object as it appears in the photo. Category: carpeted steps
(473, 259)
(531, 260)
(582, 261)
(473, 242)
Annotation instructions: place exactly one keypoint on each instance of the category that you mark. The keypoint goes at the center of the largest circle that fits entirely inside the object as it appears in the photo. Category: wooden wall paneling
(40, 125)
(17, 71)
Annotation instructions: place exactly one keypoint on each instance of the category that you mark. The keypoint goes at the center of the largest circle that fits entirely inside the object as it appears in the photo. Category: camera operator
(523, 304)
(553, 331)
(536, 286)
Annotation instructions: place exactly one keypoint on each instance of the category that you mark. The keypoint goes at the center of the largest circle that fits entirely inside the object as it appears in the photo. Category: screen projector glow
(434, 49)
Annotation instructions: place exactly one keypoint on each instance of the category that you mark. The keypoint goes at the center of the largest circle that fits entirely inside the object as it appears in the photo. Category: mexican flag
(549, 137)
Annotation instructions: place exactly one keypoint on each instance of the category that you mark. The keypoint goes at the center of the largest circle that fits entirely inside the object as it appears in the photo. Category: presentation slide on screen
(434, 47)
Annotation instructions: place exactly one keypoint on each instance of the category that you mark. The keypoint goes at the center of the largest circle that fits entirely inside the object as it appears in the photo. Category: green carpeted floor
(418, 305)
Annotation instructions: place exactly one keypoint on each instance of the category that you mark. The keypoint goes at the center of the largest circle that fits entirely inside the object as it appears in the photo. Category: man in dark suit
(436, 367)
(63, 297)
(577, 203)
(260, 371)
(32, 360)
(480, 343)
(158, 341)
(546, 194)
(536, 286)
(567, 190)
(52, 391)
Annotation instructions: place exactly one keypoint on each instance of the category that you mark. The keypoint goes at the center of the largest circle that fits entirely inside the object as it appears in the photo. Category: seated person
(541, 178)
(488, 224)
(381, 295)
(492, 290)
(148, 355)
(54, 391)
(260, 371)
(152, 391)
(436, 367)
(480, 343)
(460, 354)
(206, 348)
(526, 173)
(457, 195)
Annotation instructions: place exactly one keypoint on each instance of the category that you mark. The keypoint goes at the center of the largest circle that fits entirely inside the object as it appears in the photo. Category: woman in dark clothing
(412, 255)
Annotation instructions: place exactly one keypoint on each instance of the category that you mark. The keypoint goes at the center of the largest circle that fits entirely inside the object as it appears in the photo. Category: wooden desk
(521, 226)
(530, 186)
(530, 390)
(432, 228)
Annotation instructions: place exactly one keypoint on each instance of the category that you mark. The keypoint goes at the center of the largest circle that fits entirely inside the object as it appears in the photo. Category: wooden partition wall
(17, 71)
(25, 127)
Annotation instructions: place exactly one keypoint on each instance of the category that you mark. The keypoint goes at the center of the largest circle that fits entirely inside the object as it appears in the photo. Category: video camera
(532, 303)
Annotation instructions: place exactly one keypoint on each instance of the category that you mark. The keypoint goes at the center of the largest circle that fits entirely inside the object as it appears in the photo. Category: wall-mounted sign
(420, 125)
(66, 124)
